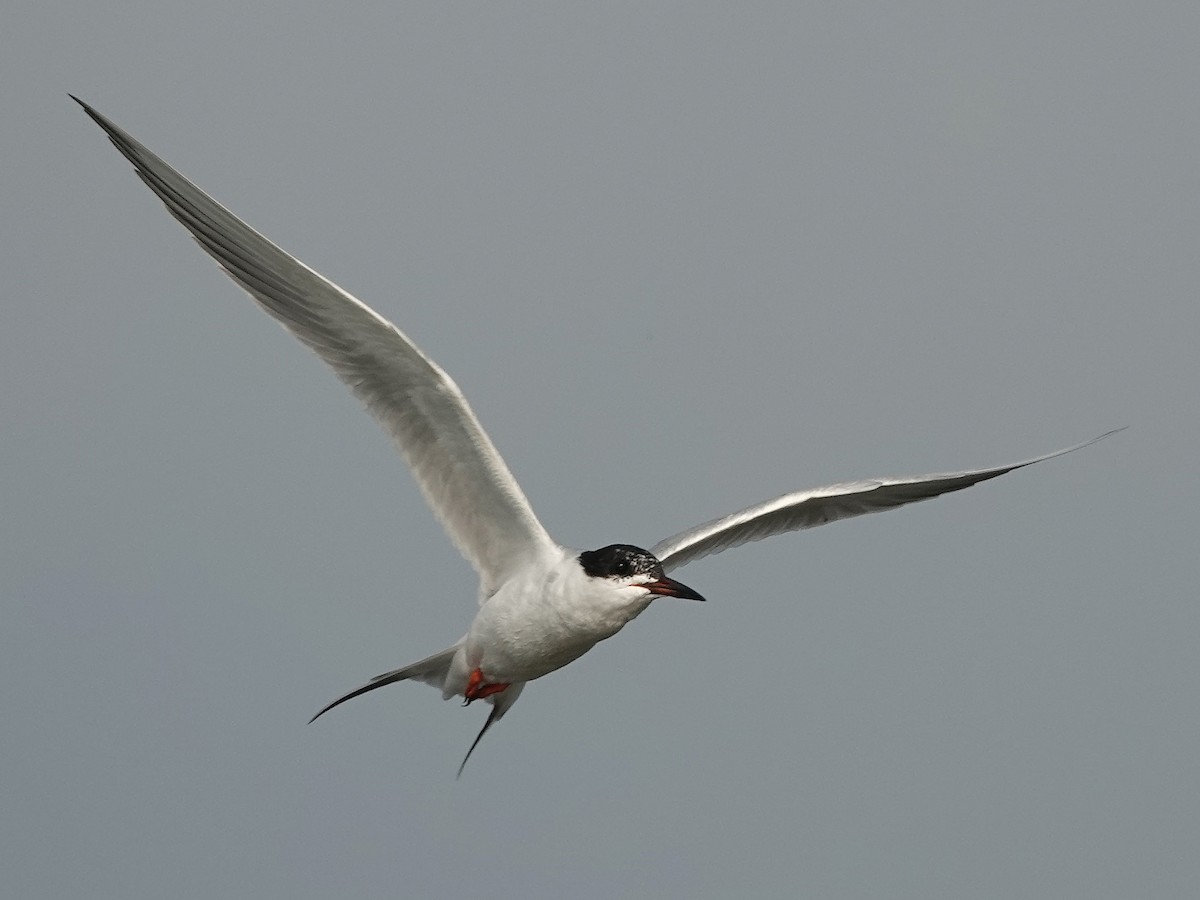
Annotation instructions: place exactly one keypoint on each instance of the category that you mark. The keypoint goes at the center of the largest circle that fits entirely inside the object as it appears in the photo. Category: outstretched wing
(807, 509)
(467, 484)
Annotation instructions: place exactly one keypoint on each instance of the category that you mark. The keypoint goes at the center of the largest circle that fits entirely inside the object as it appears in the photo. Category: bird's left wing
(462, 476)
(808, 509)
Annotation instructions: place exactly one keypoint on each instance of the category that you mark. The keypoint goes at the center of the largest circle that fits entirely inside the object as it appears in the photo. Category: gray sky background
(681, 257)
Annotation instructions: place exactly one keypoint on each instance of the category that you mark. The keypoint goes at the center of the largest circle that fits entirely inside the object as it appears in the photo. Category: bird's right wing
(467, 484)
(807, 509)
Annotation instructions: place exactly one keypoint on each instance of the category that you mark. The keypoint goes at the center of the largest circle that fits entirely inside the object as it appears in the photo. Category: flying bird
(541, 605)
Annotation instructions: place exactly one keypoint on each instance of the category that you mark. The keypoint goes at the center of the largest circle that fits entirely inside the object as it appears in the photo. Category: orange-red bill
(669, 587)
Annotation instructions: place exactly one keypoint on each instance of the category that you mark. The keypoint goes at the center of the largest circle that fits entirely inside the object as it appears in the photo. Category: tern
(541, 605)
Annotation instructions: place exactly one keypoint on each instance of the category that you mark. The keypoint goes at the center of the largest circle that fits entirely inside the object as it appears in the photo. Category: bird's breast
(528, 630)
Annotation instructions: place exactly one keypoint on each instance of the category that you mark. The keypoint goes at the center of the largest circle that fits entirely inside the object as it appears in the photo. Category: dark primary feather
(808, 509)
(466, 482)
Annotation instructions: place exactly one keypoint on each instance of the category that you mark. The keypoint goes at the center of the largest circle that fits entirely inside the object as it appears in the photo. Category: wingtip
(94, 115)
(1080, 446)
(1097, 440)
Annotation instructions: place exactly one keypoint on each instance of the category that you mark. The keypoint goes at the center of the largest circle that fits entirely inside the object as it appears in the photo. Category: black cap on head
(626, 561)
(619, 561)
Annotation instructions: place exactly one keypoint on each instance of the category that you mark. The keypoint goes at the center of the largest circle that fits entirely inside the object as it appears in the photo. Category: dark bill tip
(669, 587)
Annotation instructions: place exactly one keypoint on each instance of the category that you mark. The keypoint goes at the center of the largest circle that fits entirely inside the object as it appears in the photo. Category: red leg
(476, 688)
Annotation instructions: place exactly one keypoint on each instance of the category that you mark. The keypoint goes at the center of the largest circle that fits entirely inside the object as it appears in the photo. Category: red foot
(477, 690)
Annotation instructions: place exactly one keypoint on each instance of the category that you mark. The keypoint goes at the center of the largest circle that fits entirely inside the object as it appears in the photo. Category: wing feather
(465, 481)
(808, 509)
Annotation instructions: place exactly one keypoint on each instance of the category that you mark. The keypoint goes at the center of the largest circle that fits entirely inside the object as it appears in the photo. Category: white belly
(534, 626)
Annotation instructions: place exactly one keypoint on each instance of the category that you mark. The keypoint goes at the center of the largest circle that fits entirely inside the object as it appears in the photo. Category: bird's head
(632, 567)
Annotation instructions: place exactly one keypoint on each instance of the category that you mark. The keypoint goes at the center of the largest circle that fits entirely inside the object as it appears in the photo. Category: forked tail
(434, 670)
(500, 705)
(430, 670)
